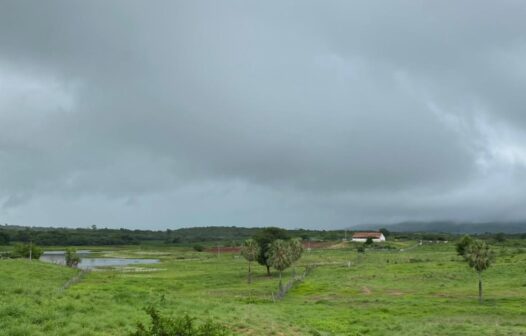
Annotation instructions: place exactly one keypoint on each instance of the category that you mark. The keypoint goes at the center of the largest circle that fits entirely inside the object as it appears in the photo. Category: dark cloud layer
(312, 114)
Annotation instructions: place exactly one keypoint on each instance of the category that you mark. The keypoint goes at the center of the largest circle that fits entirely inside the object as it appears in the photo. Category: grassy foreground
(424, 290)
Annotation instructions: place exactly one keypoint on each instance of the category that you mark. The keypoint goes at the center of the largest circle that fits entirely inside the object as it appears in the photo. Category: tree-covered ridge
(103, 236)
(225, 235)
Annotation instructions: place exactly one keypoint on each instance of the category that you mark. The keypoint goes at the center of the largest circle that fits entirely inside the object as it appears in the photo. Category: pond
(58, 257)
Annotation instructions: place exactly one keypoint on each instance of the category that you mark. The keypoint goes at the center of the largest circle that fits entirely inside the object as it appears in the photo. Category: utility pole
(30, 250)
(218, 250)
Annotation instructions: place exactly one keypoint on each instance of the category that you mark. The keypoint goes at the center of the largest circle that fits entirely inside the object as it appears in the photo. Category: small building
(362, 236)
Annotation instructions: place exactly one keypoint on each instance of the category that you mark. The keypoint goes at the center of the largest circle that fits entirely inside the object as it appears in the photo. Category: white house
(362, 236)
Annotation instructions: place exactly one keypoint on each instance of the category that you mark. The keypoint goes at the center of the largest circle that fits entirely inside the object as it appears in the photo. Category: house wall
(363, 240)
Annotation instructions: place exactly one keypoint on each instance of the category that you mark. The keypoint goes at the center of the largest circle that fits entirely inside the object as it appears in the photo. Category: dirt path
(366, 290)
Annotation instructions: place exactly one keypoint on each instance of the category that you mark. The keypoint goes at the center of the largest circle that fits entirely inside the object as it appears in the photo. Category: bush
(4, 238)
(463, 245)
(199, 248)
(179, 326)
(72, 258)
(500, 237)
(22, 251)
(360, 249)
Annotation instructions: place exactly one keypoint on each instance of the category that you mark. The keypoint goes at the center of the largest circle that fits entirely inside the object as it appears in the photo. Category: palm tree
(280, 256)
(479, 257)
(296, 250)
(250, 251)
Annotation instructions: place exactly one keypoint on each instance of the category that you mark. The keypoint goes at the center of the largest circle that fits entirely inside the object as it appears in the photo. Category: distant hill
(226, 235)
(232, 236)
(450, 227)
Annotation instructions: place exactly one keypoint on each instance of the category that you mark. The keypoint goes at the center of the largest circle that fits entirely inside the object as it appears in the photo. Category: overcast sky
(314, 114)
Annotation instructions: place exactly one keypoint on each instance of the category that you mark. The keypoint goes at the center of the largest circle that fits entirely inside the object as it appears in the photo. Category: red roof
(376, 235)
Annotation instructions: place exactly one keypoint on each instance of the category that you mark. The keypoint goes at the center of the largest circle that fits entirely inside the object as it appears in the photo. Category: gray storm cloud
(297, 114)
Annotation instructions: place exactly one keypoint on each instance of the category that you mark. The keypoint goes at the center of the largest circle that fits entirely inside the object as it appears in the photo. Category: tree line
(226, 236)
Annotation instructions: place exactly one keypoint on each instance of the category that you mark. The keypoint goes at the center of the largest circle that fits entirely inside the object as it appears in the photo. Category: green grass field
(425, 290)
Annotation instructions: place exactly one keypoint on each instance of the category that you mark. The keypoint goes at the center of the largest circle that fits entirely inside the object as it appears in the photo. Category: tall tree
(264, 238)
(479, 257)
(279, 256)
(250, 251)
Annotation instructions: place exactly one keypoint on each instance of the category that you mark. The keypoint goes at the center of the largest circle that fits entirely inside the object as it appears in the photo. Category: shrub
(22, 251)
(360, 249)
(72, 258)
(463, 245)
(178, 326)
(415, 260)
(199, 248)
(4, 238)
(500, 237)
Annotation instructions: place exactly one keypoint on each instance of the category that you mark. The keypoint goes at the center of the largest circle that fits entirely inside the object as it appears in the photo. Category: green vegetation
(250, 251)
(296, 251)
(4, 238)
(279, 256)
(396, 288)
(479, 256)
(265, 238)
(29, 251)
(178, 326)
(72, 259)
(463, 245)
(228, 236)
(199, 248)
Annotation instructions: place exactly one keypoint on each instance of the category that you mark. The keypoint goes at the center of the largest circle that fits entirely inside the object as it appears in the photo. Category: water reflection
(59, 257)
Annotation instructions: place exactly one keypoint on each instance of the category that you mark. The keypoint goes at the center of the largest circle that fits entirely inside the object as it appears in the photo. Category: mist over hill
(449, 227)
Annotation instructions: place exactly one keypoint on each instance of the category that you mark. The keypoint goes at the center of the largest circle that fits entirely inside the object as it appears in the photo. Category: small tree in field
(296, 250)
(479, 257)
(463, 245)
(264, 238)
(280, 256)
(250, 251)
(72, 258)
(369, 241)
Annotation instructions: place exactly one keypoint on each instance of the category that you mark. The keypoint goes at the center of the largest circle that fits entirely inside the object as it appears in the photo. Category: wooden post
(30, 250)
(480, 288)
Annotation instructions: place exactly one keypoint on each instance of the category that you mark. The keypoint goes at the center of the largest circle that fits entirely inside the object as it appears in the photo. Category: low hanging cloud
(297, 114)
